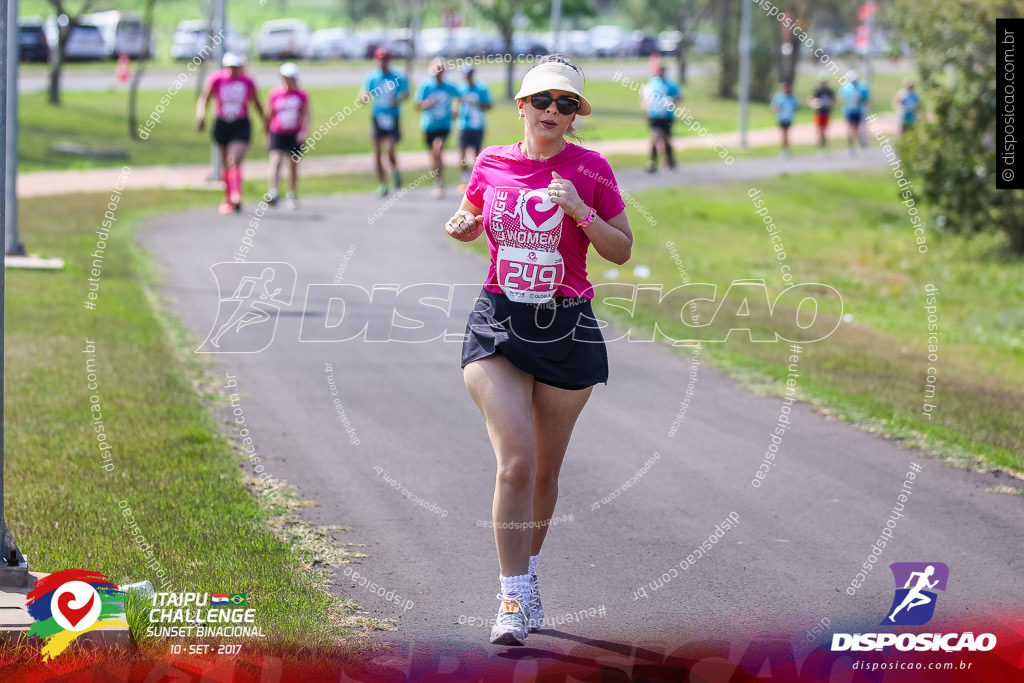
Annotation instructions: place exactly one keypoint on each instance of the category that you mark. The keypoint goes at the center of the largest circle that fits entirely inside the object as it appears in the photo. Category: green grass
(100, 120)
(849, 231)
(180, 477)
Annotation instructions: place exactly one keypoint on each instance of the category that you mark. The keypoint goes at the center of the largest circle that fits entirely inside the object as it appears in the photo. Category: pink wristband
(585, 223)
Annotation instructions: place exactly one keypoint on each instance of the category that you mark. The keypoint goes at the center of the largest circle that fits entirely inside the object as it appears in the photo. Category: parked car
(123, 33)
(32, 41)
(191, 37)
(643, 45)
(334, 43)
(570, 43)
(524, 45)
(85, 42)
(283, 39)
(609, 41)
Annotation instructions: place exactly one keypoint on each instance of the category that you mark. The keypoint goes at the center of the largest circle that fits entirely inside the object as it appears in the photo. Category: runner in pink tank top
(533, 350)
(234, 91)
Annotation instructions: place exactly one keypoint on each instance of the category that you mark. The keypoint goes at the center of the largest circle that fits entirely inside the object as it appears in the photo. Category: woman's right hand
(464, 226)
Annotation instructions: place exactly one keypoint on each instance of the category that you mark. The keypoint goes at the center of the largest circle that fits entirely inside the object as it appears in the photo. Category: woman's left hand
(564, 194)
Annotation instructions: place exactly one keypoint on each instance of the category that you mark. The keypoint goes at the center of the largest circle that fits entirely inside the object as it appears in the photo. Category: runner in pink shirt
(233, 91)
(289, 123)
(533, 350)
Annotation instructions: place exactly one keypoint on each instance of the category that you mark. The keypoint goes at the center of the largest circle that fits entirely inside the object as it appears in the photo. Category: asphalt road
(801, 537)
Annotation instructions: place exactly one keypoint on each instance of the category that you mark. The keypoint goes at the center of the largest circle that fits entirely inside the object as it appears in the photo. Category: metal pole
(12, 244)
(10, 556)
(744, 93)
(556, 24)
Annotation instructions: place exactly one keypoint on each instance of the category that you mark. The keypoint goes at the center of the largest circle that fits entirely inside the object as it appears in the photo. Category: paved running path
(801, 537)
(42, 183)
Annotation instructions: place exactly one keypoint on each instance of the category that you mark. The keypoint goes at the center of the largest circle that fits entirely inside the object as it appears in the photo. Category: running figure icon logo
(914, 602)
(246, 319)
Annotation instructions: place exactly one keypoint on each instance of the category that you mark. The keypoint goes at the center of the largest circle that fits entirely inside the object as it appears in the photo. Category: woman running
(533, 350)
(288, 106)
(234, 90)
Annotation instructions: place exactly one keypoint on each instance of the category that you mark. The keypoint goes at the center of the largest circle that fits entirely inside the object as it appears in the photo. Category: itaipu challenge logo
(70, 603)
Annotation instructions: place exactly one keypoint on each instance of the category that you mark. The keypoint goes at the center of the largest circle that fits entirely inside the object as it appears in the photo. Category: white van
(283, 39)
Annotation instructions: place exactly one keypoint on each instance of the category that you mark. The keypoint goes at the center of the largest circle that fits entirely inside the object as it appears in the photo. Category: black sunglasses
(566, 105)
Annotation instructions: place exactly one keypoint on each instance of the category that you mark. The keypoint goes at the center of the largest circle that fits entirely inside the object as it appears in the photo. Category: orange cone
(122, 68)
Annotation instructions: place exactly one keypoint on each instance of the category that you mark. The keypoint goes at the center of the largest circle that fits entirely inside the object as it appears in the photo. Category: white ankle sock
(515, 585)
(534, 559)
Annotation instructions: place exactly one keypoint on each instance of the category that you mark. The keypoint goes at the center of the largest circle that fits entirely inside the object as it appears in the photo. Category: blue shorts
(559, 343)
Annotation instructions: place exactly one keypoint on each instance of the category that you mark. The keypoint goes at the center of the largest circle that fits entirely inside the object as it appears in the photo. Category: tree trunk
(728, 51)
(57, 63)
(683, 49)
(133, 89)
(510, 68)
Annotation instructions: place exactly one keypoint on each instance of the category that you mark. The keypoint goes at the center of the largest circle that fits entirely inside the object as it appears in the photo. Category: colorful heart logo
(540, 213)
(72, 614)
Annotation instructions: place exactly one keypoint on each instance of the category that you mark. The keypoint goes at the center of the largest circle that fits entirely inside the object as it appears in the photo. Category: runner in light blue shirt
(386, 88)
(785, 106)
(435, 98)
(660, 97)
(474, 99)
(906, 103)
(855, 97)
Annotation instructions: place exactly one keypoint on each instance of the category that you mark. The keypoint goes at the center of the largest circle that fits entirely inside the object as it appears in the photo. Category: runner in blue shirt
(855, 101)
(660, 98)
(906, 103)
(474, 99)
(386, 88)
(785, 106)
(435, 98)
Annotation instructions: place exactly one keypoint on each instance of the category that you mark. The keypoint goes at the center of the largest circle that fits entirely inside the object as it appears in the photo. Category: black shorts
(471, 138)
(239, 130)
(559, 343)
(378, 133)
(785, 124)
(431, 135)
(285, 142)
(853, 117)
(664, 125)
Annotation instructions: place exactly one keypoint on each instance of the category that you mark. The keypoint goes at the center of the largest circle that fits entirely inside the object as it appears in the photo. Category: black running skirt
(559, 342)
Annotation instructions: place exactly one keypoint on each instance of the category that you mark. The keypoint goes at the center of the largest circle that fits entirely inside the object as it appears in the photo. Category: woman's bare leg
(554, 415)
(504, 395)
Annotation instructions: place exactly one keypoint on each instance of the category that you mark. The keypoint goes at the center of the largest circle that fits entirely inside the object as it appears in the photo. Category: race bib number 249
(528, 275)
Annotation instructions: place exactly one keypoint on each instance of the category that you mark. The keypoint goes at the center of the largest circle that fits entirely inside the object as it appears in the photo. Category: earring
(521, 114)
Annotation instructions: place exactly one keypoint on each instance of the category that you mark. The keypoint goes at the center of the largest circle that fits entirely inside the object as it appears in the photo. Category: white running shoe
(535, 610)
(291, 202)
(510, 625)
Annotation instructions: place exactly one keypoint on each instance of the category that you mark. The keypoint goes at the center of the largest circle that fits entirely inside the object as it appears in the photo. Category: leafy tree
(502, 14)
(678, 15)
(66, 23)
(952, 150)
(762, 51)
(140, 69)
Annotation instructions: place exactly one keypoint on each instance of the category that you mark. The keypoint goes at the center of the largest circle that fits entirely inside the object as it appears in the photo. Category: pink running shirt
(537, 250)
(286, 108)
(232, 94)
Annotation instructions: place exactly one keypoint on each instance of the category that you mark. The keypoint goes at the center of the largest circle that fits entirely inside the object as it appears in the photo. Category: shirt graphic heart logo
(539, 212)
